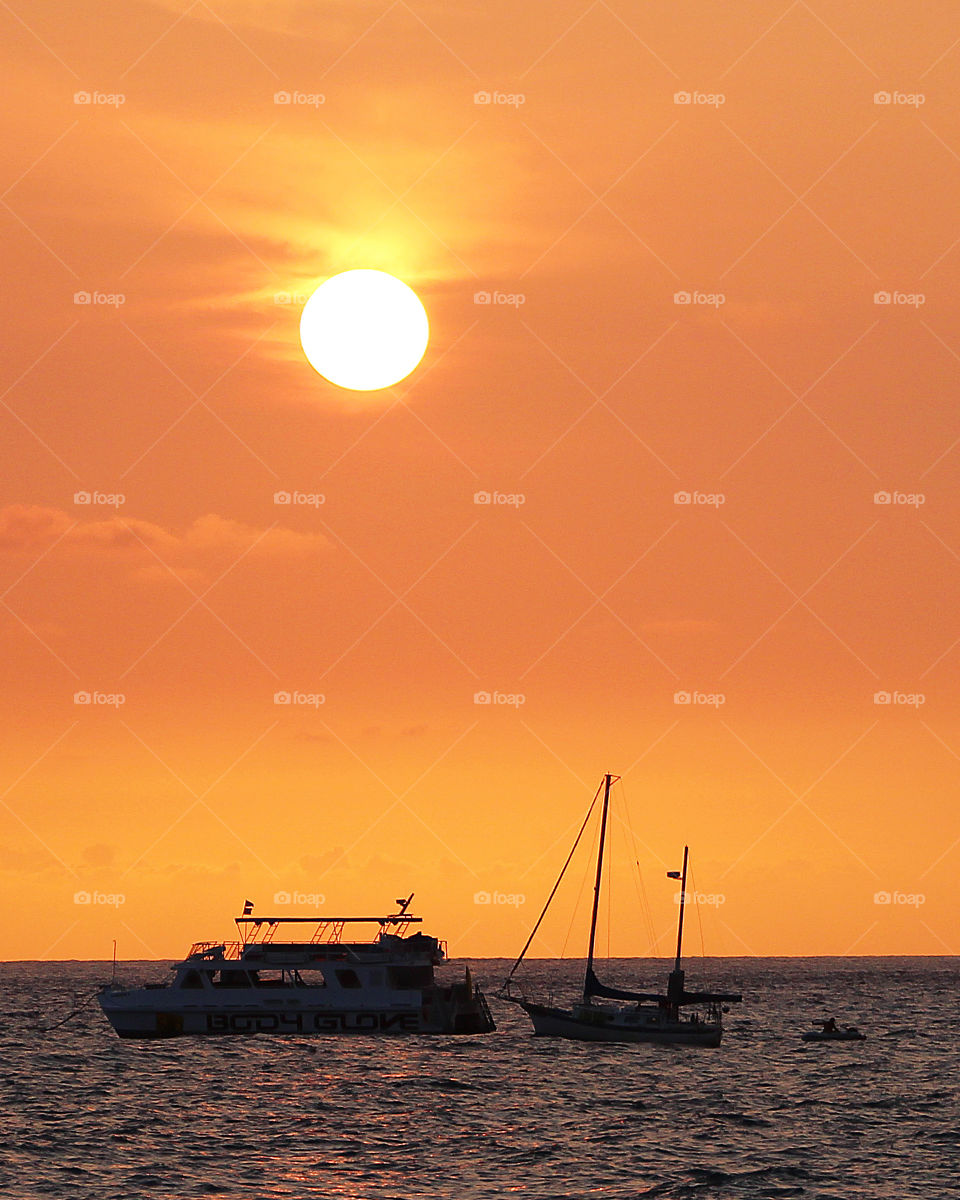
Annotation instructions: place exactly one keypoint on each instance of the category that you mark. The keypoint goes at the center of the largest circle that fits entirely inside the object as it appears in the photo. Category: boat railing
(325, 930)
(228, 950)
(233, 951)
(317, 931)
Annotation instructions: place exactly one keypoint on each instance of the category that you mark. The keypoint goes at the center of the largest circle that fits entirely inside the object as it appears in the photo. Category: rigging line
(638, 877)
(635, 864)
(576, 908)
(631, 844)
(651, 928)
(609, 888)
(635, 875)
(621, 804)
(77, 1009)
(703, 953)
(553, 892)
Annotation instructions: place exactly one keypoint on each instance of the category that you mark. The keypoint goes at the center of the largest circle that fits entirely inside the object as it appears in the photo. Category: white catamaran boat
(640, 1016)
(272, 982)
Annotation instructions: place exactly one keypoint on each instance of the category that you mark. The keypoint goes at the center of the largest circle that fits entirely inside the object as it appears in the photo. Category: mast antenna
(607, 781)
(683, 897)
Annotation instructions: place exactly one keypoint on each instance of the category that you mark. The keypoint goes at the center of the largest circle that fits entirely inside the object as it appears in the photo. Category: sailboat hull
(620, 1025)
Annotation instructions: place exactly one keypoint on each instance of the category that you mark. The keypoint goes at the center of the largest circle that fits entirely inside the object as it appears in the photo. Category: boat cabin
(393, 959)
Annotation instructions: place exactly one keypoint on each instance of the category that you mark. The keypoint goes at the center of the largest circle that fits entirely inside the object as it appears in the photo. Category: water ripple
(93, 1118)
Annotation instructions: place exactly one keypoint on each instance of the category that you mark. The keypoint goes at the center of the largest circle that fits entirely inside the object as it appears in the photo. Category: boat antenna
(404, 904)
(683, 896)
(607, 781)
(503, 993)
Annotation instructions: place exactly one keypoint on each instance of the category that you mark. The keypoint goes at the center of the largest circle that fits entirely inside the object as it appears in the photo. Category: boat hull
(144, 1014)
(819, 1036)
(557, 1022)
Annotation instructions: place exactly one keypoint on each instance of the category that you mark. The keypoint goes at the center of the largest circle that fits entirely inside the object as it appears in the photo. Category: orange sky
(783, 190)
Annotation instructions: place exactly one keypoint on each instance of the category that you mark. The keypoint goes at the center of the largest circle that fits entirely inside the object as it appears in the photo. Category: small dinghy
(850, 1034)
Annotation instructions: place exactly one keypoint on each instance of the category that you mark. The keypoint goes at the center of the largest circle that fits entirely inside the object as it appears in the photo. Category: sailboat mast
(683, 896)
(607, 780)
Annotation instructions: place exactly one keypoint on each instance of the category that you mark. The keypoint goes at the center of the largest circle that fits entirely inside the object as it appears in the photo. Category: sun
(364, 330)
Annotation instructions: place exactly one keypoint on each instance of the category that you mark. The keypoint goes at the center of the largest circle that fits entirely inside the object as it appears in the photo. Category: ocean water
(89, 1117)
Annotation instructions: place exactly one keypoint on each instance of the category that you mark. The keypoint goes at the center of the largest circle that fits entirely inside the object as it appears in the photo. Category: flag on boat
(247, 907)
(673, 874)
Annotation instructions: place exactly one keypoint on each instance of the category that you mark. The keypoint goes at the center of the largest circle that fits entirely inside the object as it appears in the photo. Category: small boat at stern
(328, 981)
(674, 1017)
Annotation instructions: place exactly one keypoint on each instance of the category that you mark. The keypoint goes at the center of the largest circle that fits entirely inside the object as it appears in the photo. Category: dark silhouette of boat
(849, 1034)
(674, 1017)
(271, 981)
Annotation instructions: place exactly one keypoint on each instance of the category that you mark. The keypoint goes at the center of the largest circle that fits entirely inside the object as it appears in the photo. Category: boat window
(192, 980)
(407, 978)
(348, 978)
(231, 979)
(268, 978)
(309, 979)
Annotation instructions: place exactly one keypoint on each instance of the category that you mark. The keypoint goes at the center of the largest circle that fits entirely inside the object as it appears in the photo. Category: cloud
(300, 18)
(29, 528)
(317, 864)
(100, 855)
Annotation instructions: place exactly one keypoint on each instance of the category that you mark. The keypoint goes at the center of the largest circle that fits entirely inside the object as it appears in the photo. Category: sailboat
(639, 1016)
